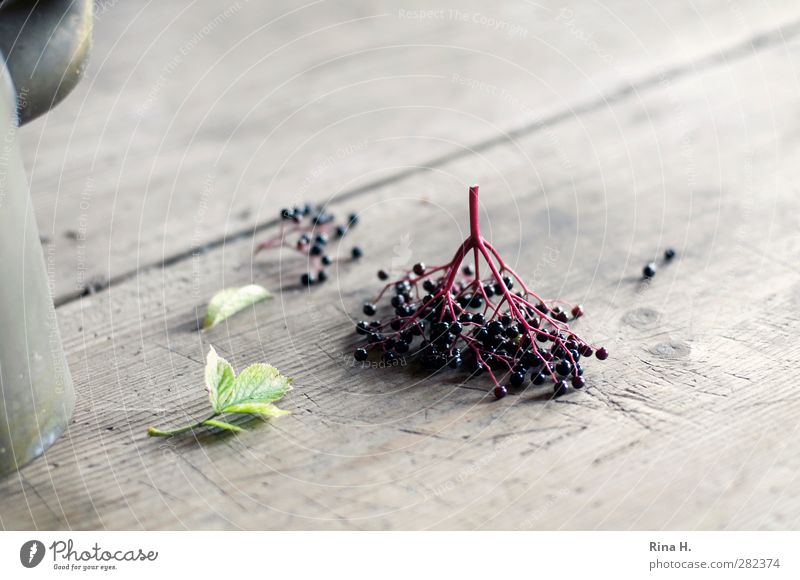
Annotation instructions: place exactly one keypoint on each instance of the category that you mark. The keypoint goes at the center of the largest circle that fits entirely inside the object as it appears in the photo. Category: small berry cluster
(494, 324)
(317, 229)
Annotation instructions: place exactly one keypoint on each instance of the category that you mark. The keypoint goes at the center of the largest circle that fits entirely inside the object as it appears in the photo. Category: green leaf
(220, 380)
(259, 383)
(253, 391)
(264, 409)
(222, 425)
(228, 302)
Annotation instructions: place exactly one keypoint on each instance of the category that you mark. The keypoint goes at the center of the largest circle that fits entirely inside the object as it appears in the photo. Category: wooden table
(600, 132)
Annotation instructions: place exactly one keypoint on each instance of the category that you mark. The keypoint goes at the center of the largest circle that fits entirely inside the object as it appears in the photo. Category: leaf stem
(154, 432)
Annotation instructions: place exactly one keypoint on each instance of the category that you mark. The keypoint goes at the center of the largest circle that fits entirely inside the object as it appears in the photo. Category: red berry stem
(474, 216)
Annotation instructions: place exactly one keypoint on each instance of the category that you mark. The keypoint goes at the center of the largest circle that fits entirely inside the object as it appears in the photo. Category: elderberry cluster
(317, 230)
(465, 328)
(450, 316)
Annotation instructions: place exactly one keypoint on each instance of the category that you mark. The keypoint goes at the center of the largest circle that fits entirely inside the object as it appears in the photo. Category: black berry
(561, 388)
(516, 379)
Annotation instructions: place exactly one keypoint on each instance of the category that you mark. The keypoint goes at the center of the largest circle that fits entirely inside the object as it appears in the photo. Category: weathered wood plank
(200, 119)
(689, 425)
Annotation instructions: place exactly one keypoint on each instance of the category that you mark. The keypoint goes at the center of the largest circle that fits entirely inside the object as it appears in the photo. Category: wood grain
(689, 425)
(197, 120)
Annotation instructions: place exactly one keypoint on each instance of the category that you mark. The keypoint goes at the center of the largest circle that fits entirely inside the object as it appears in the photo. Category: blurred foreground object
(44, 47)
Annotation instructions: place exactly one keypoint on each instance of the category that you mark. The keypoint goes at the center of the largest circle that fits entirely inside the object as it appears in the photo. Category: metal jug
(43, 46)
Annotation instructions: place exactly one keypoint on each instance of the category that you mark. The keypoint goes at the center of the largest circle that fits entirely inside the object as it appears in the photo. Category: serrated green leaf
(223, 425)
(252, 392)
(220, 380)
(264, 409)
(228, 302)
(259, 383)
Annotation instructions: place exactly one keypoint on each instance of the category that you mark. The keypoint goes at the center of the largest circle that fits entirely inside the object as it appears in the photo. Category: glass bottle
(36, 394)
